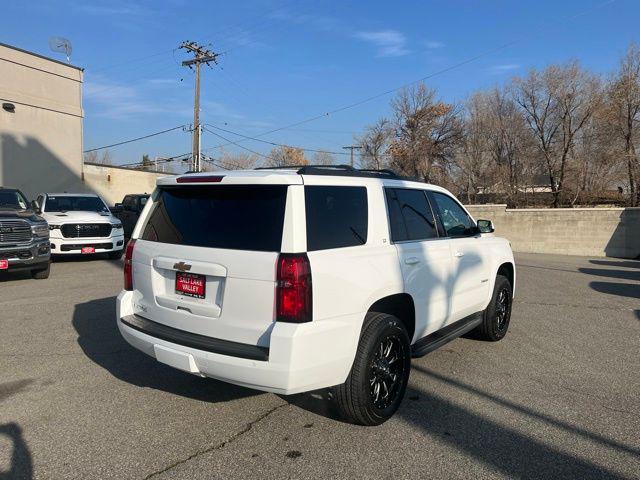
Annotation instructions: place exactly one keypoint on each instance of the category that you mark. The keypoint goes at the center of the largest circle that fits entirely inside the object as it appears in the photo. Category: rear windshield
(238, 217)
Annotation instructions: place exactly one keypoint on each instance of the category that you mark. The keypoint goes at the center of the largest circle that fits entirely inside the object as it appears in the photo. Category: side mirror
(485, 226)
(35, 207)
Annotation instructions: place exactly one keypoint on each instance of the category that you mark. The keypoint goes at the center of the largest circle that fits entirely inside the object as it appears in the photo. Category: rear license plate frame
(181, 276)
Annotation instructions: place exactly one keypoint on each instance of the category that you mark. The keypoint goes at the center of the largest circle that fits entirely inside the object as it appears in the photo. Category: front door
(470, 266)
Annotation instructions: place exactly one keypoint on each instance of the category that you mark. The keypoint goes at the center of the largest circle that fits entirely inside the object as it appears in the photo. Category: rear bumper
(299, 358)
(73, 246)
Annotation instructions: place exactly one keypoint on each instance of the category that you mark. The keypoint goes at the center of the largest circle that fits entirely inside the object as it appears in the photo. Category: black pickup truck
(24, 236)
(129, 210)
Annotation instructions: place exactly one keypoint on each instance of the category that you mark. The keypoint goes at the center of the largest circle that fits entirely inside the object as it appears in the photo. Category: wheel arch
(507, 269)
(401, 306)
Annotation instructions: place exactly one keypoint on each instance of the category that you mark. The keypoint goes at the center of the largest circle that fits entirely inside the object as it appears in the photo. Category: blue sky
(288, 60)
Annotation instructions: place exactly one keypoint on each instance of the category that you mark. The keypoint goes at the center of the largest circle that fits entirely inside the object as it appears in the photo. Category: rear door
(469, 256)
(205, 259)
(425, 259)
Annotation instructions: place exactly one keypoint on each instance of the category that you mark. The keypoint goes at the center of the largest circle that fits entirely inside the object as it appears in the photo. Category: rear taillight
(293, 291)
(128, 265)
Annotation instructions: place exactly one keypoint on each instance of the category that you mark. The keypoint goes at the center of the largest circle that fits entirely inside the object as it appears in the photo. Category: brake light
(200, 179)
(128, 265)
(293, 291)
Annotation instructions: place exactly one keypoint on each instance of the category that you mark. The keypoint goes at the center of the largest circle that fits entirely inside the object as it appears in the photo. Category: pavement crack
(247, 428)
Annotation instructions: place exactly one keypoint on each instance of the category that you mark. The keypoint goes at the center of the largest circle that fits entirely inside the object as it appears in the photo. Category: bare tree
(623, 100)
(238, 161)
(285, 155)
(95, 157)
(472, 156)
(426, 133)
(323, 158)
(557, 103)
(374, 152)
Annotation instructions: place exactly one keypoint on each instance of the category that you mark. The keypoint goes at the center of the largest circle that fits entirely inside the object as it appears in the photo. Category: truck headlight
(54, 227)
(116, 226)
(40, 230)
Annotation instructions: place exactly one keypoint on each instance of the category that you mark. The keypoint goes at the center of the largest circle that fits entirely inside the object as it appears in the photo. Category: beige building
(112, 183)
(40, 123)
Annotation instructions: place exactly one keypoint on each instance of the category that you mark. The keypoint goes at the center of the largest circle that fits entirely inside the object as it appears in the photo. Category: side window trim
(436, 217)
(439, 218)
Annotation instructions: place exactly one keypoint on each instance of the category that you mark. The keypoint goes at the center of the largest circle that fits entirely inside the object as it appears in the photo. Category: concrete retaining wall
(113, 183)
(594, 232)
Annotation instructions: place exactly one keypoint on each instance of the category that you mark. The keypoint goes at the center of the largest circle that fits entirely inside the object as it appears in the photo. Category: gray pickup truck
(24, 236)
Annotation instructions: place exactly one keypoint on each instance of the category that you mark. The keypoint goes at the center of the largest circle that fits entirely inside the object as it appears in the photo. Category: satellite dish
(61, 45)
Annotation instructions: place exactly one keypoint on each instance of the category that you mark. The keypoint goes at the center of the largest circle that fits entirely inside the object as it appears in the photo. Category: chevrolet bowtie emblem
(183, 267)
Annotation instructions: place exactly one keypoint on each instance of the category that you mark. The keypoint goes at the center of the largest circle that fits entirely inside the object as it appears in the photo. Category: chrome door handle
(411, 260)
(458, 254)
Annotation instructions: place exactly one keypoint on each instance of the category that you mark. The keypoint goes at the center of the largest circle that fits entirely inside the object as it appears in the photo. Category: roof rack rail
(338, 170)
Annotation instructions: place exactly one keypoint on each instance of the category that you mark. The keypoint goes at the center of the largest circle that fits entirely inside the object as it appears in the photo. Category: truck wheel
(116, 255)
(41, 273)
(378, 379)
(495, 322)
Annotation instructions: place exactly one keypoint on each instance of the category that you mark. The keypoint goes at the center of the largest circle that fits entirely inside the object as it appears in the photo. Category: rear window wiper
(357, 235)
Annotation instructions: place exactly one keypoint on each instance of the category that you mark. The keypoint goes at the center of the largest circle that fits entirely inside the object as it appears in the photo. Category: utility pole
(200, 55)
(352, 148)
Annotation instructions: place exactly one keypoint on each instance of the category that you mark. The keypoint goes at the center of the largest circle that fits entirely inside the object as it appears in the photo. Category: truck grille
(21, 254)
(15, 231)
(84, 230)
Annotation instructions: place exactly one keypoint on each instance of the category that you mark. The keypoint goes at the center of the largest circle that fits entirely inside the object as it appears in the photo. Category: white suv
(81, 223)
(294, 279)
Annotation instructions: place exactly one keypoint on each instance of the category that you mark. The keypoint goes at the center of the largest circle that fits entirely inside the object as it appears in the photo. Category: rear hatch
(205, 259)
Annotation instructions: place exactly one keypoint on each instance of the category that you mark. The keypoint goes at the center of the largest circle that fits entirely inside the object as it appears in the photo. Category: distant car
(24, 236)
(129, 211)
(81, 223)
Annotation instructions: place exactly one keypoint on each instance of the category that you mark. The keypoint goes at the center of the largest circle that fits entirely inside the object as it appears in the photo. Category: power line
(422, 79)
(274, 143)
(134, 139)
(231, 142)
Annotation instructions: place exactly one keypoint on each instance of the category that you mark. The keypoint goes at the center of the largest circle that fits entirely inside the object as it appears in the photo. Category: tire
(356, 398)
(116, 255)
(41, 273)
(497, 316)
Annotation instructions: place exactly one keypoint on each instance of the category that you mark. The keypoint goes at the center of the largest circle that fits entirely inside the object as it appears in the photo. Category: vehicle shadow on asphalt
(100, 340)
(12, 276)
(505, 449)
(617, 263)
(21, 463)
(631, 290)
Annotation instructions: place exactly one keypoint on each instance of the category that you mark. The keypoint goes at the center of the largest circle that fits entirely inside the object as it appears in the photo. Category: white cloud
(112, 9)
(390, 43)
(318, 22)
(432, 45)
(163, 81)
(504, 68)
(120, 102)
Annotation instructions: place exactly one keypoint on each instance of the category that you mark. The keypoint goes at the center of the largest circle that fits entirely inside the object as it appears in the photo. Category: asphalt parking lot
(559, 397)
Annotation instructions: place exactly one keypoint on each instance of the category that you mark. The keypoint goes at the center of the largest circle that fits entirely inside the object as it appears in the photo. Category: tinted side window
(410, 216)
(455, 220)
(336, 216)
